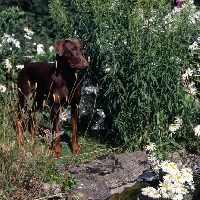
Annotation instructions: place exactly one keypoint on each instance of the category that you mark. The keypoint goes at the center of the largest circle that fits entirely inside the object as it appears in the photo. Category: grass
(24, 169)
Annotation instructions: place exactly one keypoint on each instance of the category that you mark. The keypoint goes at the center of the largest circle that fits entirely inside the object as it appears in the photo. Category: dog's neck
(62, 66)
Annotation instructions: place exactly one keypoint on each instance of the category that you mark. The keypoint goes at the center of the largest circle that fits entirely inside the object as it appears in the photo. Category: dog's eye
(73, 49)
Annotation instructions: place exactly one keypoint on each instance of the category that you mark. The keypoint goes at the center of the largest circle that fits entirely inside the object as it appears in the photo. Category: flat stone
(107, 174)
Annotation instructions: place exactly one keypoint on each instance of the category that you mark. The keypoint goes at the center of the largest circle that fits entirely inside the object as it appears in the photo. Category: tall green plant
(145, 47)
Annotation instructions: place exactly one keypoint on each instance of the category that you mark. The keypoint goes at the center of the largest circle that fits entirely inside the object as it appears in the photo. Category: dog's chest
(59, 86)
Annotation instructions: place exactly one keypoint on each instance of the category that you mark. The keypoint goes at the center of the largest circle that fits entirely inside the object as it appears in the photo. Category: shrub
(138, 51)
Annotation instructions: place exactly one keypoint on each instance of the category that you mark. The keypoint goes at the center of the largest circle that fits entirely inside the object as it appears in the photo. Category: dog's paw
(57, 154)
(76, 150)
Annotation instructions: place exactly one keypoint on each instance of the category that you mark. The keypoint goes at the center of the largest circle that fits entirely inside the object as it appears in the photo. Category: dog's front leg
(56, 130)
(75, 115)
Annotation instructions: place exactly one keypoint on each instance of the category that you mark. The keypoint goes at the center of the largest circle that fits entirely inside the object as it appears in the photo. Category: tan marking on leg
(54, 98)
(43, 103)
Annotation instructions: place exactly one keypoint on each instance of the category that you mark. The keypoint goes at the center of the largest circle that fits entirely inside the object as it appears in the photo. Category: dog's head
(71, 49)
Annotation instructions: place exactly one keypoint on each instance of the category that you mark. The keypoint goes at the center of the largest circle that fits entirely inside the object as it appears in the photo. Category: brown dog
(56, 83)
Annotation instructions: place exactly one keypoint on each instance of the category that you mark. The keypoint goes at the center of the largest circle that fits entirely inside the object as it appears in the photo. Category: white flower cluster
(187, 6)
(11, 41)
(189, 73)
(175, 182)
(101, 116)
(8, 64)
(65, 115)
(176, 125)
(174, 17)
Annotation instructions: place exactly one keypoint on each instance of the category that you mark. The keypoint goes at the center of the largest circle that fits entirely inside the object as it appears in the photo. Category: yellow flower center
(175, 186)
(178, 177)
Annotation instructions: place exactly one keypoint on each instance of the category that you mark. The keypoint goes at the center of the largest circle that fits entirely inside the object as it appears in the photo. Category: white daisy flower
(27, 37)
(166, 194)
(194, 46)
(173, 169)
(179, 178)
(51, 48)
(20, 66)
(178, 120)
(101, 113)
(152, 157)
(198, 39)
(151, 147)
(192, 84)
(197, 130)
(40, 49)
(106, 69)
(28, 31)
(188, 73)
(192, 90)
(176, 188)
(186, 171)
(165, 165)
(147, 190)
(16, 43)
(8, 63)
(163, 187)
(177, 197)
(155, 194)
(91, 89)
(168, 178)
(2, 88)
(174, 127)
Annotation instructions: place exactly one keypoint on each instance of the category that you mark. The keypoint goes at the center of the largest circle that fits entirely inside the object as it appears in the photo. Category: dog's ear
(59, 46)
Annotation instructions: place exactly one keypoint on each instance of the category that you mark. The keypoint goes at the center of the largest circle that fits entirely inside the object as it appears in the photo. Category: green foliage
(69, 183)
(145, 45)
(11, 19)
(62, 17)
(37, 15)
(52, 175)
(15, 47)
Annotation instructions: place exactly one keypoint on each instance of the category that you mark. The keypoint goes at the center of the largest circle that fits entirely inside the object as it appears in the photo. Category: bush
(138, 50)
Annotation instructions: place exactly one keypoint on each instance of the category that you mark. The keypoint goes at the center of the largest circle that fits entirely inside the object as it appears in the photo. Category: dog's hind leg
(32, 122)
(24, 89)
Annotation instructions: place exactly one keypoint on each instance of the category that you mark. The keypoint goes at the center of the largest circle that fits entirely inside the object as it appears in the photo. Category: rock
(107, 174)
(148, 176)
(50, 188)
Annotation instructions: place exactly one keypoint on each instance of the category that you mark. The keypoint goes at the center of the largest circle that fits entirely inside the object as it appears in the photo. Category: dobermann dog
(56, 83)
